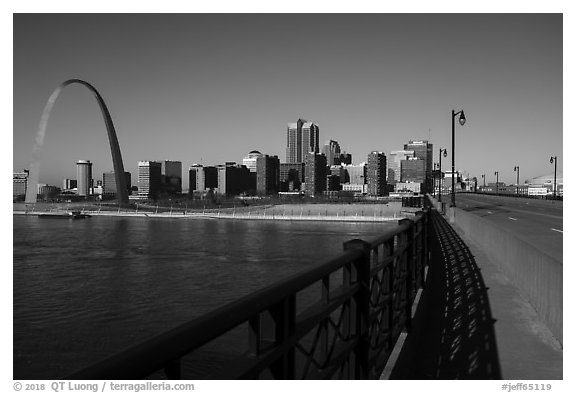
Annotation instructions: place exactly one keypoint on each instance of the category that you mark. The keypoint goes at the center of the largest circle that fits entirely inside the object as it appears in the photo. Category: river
(86, 289)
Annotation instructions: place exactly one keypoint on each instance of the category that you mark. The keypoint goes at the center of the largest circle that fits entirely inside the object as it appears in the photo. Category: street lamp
(554, 159)
(462, 121)
(442, 152)
(434, 178)
(517, 170)
(496, 173)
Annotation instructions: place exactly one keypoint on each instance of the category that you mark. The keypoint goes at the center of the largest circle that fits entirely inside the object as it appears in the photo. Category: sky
(209, 88)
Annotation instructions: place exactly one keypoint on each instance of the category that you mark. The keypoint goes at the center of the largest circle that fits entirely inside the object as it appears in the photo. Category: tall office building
(171, 177)
(413, 170)
(109, 183)
(356, 173)
(233, 179)
(202, 178)
(394, 159)
(149, 178)
(68, 184)
(423, 150)
(250, 160)
(332, 152)
(302, 138)
(267, 174)
(315, 169)
(291, 176)
(19, 183)
(376, 174)
(84, 177)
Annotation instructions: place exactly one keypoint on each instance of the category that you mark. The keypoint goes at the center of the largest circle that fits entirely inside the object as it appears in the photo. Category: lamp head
(445, 154)
(462, 118)
(551, 160)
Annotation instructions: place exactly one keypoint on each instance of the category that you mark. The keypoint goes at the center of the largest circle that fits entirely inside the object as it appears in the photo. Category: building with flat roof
(234, 179)
(356, 173)
(19, 183)
(149, 179)
(109, 183)
(202, 178)
(291, 176)
(267, 174)
(376, 174)
(315, 173)
(393, 173)
(423, 151)
(171, 177)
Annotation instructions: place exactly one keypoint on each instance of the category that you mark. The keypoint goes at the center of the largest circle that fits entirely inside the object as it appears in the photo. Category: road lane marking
(557, 230)
(489, 212)
(512, 218)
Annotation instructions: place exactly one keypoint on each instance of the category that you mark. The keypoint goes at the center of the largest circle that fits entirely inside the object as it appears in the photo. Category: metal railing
(347, 331)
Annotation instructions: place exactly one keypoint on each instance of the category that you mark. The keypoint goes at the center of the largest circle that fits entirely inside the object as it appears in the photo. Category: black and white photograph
(208, 196)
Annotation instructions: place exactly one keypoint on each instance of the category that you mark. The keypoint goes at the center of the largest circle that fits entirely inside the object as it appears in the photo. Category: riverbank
(287, 212)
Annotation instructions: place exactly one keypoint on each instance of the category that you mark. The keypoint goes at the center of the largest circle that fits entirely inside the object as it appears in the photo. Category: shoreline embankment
(301, 212)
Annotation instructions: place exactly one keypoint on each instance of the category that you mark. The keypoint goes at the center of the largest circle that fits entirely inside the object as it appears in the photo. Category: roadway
(538, 222)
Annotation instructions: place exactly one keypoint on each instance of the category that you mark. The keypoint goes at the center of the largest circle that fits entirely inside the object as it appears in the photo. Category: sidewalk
(526, 347)
(471, 323)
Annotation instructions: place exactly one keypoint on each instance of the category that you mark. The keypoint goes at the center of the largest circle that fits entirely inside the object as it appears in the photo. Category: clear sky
(208, 88)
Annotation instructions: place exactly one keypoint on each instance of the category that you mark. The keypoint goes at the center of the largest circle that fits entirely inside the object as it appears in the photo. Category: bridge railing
(347, 331)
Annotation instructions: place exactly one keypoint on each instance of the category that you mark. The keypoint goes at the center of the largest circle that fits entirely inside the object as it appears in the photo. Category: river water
(86, 289)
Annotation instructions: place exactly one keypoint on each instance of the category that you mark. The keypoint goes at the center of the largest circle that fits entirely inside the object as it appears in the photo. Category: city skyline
(210, 88)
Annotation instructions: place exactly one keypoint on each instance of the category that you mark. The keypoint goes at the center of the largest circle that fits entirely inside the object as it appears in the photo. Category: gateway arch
(121, 190)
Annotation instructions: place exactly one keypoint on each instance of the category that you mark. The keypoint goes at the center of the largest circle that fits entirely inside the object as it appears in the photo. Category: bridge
(439, 297)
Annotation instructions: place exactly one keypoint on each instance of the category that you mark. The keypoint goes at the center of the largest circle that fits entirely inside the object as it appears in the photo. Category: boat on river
(75, 215)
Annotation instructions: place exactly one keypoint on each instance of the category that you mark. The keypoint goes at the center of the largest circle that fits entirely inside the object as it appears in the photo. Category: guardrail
(347, 331)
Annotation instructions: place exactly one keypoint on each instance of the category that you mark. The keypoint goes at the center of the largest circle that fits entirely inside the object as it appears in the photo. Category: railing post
(408, 236)
(284, 316)
(362, 307)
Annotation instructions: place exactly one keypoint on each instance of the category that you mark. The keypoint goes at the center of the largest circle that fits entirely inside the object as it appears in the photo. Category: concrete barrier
(537, 275)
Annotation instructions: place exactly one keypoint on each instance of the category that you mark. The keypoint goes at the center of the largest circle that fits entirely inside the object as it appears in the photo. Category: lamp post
(442, 152)
(462, 121)
(517, 170)
(554, 159)
(496, 173)
(434, 178)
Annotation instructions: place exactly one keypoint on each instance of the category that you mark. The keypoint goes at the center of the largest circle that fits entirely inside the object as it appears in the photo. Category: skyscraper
(233, 179)
(149, 178)
(376, 173)
(302, 138)
(171, 177)
(413, 170)
(250, 160)
(423, 151)
(315, 169)
(109, 182)
(332, 152)
(291, 176)
(202, 178)
(19, 183)
(394, 159)
(84, 177)
(267, 174)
